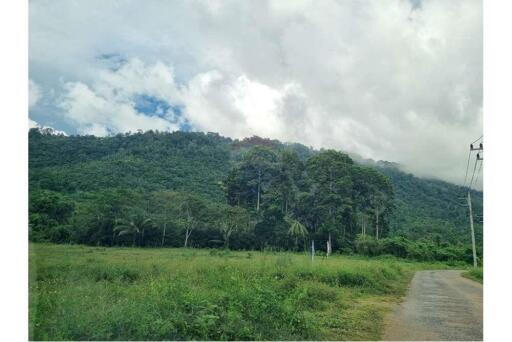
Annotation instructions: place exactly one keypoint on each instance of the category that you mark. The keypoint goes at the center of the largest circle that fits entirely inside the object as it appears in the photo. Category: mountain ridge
(198, 162)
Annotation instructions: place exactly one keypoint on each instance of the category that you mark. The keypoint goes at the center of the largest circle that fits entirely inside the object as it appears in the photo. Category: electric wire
(474, 169)
(478, 174)
(467, 167)
(478, 139)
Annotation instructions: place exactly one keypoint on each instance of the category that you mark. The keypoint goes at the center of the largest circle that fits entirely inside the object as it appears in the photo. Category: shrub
(367, 245)
(397, 246)
(60, 234)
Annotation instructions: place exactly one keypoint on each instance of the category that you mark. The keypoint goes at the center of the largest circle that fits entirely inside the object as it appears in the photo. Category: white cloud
(237, 107)
(377, 78)
(46, 129)
(32, 124)
(95, 114)
(34, 93)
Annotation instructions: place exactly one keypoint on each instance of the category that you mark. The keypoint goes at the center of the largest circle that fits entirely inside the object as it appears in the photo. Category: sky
(394, 80)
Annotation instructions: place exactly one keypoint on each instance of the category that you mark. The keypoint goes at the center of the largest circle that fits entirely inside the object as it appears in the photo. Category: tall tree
(163, 202)
(231, 219)
(362, 178)
(381, 201)
(190, 212)
(373, 197)
(331, 184)
(289, 177)
(252, 177)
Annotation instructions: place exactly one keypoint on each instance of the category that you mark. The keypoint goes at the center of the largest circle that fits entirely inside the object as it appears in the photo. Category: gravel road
(439, 306)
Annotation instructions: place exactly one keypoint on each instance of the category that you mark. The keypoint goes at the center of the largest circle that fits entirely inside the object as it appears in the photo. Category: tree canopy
(196, 189)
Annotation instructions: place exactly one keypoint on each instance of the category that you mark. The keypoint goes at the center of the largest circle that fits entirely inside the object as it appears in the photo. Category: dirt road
(439, 306)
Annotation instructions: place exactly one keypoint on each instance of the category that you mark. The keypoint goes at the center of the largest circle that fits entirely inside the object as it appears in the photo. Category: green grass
(476, 274)
(88, 293)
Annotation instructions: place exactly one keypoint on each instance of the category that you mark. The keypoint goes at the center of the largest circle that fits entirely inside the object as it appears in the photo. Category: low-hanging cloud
(391, 80)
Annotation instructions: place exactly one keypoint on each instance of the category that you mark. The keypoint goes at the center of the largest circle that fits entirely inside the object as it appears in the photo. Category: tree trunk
(114, 232)
(187, 234)
(259, 189)
(134, 235)
(377, 224)
(227, 235)
(163, 234)
(329, 246)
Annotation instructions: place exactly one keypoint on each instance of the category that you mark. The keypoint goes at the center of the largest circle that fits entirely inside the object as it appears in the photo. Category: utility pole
(472, 229)
(478, 157)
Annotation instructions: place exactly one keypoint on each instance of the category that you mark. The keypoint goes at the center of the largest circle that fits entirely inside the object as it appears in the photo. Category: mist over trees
(202, 190)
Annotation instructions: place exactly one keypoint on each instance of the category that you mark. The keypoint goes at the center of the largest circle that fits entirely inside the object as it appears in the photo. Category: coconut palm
(135, 226)
(297, 230)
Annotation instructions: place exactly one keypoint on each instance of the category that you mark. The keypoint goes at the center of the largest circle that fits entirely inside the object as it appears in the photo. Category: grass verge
(476, 274)
(88, 293)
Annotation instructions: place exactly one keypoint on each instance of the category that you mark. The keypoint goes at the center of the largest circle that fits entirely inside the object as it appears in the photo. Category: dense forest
(196, 189)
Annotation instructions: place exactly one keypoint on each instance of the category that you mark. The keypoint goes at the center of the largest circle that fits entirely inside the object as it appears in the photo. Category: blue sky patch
(153, 106)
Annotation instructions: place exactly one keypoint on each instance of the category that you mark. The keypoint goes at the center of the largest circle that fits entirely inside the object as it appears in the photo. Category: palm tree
(297, 230)
(134, 227)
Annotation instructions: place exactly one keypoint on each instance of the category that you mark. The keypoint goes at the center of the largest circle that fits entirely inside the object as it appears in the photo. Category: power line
(478, 139)
(467, 167)
(478, 174)
(471, 149)
(469, 157)
(474, 169)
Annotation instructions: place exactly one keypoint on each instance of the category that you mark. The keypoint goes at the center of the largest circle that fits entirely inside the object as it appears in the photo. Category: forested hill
(199, 163)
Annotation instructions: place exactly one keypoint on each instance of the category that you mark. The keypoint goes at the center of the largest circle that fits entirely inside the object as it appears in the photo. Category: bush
(60, 234)
(397, 246)
(422, 250)
(347, 251)
(367, 245)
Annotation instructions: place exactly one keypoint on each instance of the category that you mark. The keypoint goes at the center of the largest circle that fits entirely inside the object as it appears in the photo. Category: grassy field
(88, 293)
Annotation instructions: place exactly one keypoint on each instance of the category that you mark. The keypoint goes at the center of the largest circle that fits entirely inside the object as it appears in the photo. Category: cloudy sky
(397, 80)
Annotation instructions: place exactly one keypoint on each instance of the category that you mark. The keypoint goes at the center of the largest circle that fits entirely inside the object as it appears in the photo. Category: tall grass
(476, 274)
(87, 293)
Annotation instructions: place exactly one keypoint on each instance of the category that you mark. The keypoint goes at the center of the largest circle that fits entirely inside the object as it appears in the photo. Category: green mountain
(198, 163)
